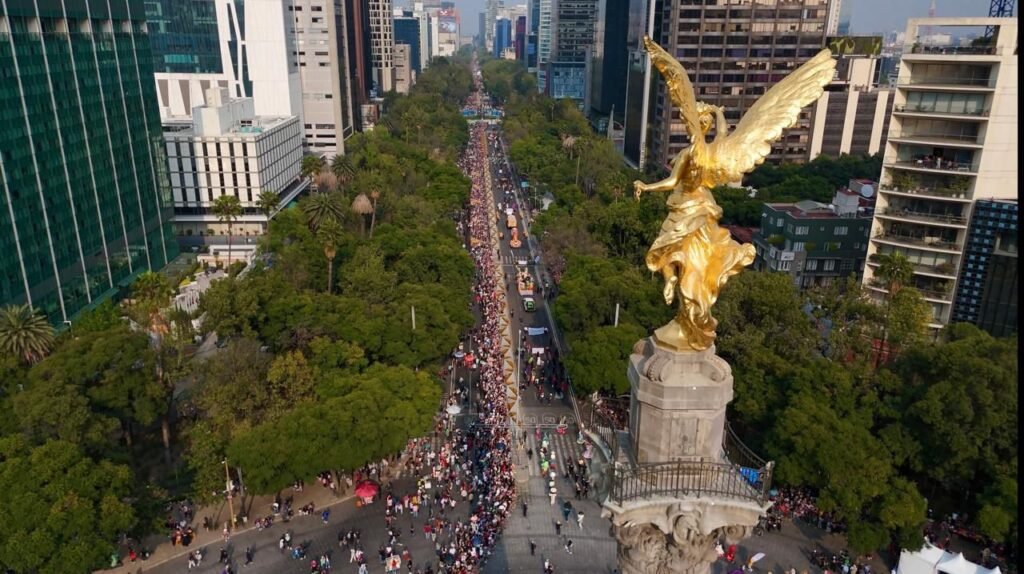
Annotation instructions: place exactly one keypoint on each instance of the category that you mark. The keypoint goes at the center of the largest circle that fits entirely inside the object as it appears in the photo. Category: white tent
(933, 560)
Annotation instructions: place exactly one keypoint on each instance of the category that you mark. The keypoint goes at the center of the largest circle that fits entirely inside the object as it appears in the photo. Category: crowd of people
(468, 465)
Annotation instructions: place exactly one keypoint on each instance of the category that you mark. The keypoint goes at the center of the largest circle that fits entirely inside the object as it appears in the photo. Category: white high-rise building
(320, 48)
(382, 46)
(216, 34)
(228, 149)
(952, 141)
(290, 58)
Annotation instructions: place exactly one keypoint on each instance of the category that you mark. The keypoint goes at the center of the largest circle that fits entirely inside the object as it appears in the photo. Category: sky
(867, 16)
(887, 15)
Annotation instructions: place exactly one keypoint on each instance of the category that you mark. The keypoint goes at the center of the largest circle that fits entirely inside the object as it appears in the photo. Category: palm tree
(361, 205)
(375, 195)
(325, 182)
(896, 270)
(151, 293)
(267, 202)
(343, 169)
(227, 208)
(330, 236)
(321, 207)
(311, 165)
(568, 143)
(24, 334)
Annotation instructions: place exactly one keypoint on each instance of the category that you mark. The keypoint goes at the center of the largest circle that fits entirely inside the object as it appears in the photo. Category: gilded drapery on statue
(694, 255)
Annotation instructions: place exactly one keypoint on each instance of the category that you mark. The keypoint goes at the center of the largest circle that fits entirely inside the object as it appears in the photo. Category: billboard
(854, 45)
(447, 22)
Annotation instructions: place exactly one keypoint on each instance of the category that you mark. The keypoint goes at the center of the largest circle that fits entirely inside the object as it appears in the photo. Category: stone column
(677, 415)
(677, 536)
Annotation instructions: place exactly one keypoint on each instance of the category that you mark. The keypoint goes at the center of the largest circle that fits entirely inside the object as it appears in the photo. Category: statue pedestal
(677, 403)
(683, 494)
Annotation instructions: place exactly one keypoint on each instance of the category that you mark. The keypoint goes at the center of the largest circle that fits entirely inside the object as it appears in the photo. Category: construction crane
(997, 9)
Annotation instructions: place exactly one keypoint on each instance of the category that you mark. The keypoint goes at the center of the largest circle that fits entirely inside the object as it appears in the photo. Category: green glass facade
(183, 36)
(83, 179)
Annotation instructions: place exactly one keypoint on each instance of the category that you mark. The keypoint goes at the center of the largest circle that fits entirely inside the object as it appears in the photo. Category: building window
(784, 265)
(841, 230)
(798, 246)
(830, 265)
(811, 265)
(778, 222)
(802, 230)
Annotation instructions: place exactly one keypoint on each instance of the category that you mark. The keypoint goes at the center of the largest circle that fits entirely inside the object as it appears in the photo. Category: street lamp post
(227, 484)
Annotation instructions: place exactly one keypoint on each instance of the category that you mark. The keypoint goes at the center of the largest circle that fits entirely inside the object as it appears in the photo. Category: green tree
(343, 169)
(24, 334)
(320, 207)
(64, 511)
(598, 358)
(895, 271)
(228, 209)
(267, 202)
(330, 235)
(312, 165)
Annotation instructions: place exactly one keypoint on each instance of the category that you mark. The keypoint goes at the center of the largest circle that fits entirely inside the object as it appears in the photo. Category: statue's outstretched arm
(667, 184)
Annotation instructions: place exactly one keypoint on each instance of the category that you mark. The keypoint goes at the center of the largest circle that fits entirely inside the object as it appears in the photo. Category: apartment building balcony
(942, 271)
(929, 242)
(934, 165)
(957, 140)
(928, 52)
(932, 112)
(939, 193)
(943, 296)
(931, 218)
(948, 83)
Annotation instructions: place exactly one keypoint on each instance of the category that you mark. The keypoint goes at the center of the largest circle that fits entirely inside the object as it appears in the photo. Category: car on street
(529, 305)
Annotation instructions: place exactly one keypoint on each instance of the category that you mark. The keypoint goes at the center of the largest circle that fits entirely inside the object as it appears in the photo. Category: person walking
(579, 519)
(524, 509)
(533, 547)
(326, 514)
(558, 528)
(248, 555)
(568, 546)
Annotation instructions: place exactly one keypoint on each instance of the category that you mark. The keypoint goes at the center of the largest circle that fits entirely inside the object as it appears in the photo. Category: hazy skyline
(867, 15)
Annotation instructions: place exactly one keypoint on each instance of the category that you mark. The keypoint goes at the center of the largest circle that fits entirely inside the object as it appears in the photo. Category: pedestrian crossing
(563, 446)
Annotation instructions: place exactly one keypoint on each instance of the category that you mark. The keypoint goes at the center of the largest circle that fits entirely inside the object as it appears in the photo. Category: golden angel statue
(692, 252)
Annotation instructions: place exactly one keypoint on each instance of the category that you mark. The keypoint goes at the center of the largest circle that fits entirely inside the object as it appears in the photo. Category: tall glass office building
(83, 180)
(183, 36)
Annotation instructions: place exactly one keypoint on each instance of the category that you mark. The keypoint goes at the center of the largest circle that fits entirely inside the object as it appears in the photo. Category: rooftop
(808, 209)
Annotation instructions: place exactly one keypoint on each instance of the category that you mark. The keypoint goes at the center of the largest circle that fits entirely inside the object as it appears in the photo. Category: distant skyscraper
(490, 18)
(545, 24)
(572, 45)
(327, 112)
(382, 46)
(987, 291)
(845, 14)
(195, 46)
(775, 38)
(519, 39)
(618, 22)
(357, 27)
(502, 36)
(83, 173)
(408, 32)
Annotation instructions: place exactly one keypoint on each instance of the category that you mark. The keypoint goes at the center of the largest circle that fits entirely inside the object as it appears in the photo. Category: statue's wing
(679, 88)
(776, 110)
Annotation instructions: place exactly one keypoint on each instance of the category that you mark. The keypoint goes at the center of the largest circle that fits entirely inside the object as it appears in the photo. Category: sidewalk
(162, 551)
